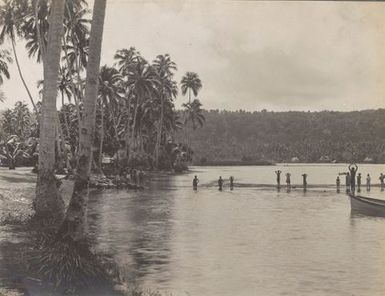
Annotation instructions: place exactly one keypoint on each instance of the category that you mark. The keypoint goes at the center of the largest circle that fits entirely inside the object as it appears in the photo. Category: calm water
(249, 241)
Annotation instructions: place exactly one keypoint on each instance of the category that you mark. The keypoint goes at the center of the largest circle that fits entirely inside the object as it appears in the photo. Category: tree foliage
(281, 136)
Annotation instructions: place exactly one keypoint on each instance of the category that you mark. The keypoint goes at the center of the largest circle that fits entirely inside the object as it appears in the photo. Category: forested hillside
(288, 136)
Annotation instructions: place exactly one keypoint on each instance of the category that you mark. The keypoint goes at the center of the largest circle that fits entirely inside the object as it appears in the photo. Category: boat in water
(367, 206)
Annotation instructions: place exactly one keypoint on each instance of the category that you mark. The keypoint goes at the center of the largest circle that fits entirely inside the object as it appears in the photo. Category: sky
(251, 55)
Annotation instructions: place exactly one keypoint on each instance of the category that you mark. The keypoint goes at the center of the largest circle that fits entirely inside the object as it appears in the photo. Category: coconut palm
(5, 59)
(35, 29)
(191, 83)
(142, 80)
(11, 16)
(48, 201)
(74, 225)
(126, 59)
(193, 113)
(22, 120)
(167, 90)
(109, 94)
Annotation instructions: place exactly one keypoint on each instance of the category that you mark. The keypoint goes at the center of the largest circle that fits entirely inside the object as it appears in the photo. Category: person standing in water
(338, 183)
(220, 183)
(288, 179)
(368, 182)
(278, 173)
(195, 183)
(304, 177)
(231, 179)
(382, 177)
(353, 168)
(359, 182)
(347, 182)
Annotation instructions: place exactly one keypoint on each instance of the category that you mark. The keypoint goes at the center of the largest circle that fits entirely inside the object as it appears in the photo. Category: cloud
(254, 54)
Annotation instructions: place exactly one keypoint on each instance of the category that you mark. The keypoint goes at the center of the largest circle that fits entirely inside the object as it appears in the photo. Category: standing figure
(304, 177)
(368, 182)
(140, 177)
(347, 182)
(195, 183)
(359, 182)
(338, 183)
(133, 177)
(220, 183)
(231, 179)
(353, 170)
(288, 179)
(278, 173)
(382, 177)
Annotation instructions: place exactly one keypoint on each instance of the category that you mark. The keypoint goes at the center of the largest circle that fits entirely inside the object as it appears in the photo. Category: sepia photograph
(192, 148)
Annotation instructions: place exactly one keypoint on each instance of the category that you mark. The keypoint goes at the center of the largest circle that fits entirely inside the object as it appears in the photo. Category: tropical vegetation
(124, 112)
(252, 137)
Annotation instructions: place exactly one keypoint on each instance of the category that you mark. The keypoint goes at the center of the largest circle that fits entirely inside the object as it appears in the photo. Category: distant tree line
(289, 136)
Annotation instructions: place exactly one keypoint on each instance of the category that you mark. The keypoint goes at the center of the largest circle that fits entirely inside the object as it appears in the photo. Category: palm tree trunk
(73, 88)
(38, 32)
(128, 128)
(11, 164)
(134, 123)
(159, 134)
(75, 223)
(48, 202)
(100, 160)
(21, 74)
(67, 127)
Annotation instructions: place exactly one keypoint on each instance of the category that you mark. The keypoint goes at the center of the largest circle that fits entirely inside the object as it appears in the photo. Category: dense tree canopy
(282, 136)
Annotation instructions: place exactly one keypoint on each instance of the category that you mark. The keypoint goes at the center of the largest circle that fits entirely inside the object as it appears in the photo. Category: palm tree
(22, 120)
(125, 61)
(167, 90)
(109, 88)
(48, 202)
(11, 16)
(193, 113)
(143, 81)
(74, 225)
(4, 60)
(35, 29)
(190, 82)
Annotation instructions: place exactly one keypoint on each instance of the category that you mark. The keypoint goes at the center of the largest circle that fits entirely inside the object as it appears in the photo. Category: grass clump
(71, 268)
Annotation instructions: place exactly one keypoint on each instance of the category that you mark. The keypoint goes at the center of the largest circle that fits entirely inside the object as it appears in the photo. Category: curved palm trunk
(48, 202)
(100, 160)
(21, 74)
(75, 223)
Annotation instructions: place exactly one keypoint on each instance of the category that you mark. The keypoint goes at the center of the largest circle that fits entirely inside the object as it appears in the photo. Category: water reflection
(137, 229)
(243, 242)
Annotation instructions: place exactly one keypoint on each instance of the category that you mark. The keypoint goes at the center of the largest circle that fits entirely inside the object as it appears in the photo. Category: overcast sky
(252, 55)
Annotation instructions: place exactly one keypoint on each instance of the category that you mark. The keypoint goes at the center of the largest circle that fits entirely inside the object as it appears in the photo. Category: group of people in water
(133, 177)
(220, 183)
(288, 179)
(352, 180)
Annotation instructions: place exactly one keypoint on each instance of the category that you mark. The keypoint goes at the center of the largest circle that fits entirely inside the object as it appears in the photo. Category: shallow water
(253, 240)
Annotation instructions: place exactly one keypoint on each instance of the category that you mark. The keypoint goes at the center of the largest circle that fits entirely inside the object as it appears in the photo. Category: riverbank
(233, 163)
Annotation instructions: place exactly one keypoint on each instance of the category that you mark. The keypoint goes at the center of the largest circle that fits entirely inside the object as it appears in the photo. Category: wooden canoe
(367, 206)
